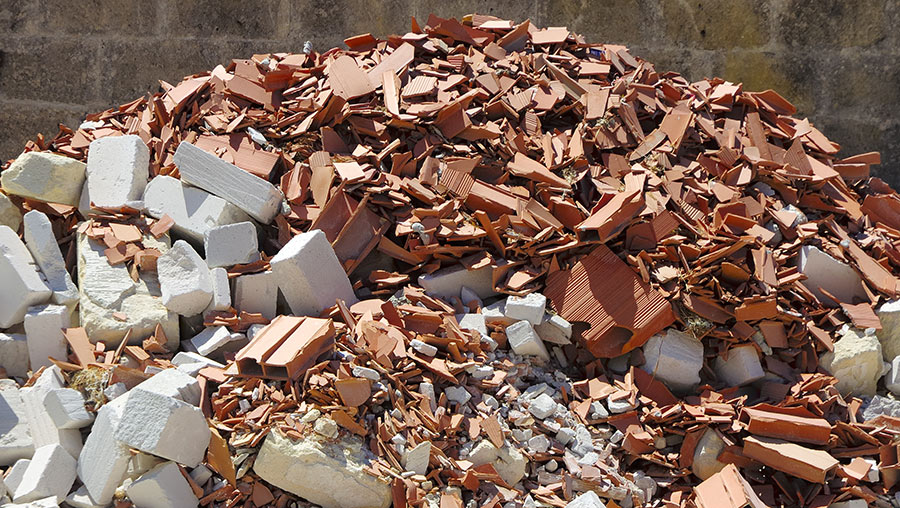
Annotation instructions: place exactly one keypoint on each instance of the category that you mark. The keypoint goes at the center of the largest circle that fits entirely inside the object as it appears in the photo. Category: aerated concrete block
(448, 282)
(15, 436)
(257, 293)
(14, 354)
(194, 210)
(184, 280)
(231, 244)
(44, 332)
(164, 426)
(42, 427)
(162, 487)
(554, 329)
(525, 341)
(117, 170)
(259, 198)
(42, 245)
(310, 275)
(23, 285)
(103, 461)
(50, 473)
(221, 293)
(44, 176)
(66, 408)
(530, 307)
(173, 383)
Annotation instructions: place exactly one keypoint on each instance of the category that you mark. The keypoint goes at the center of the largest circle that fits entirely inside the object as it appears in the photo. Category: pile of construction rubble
(481, 264)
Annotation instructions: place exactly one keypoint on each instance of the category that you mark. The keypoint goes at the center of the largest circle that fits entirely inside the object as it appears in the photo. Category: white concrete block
(310, 275)
(329, 473)
(23, 285)
(15, 474)
(257, 293)
(836, 277)
(892, 379)
(165, 427)
(15, 436)
(554, 329)
(14, 354)
(44, 332)
(43, 430)
(523, 340)
(675, 358)
(81, 499)
(213, 342)
(530, 307)
(221, 293)
(66, 408)
(889, 335)
(543, 406)
(475, 322)
(44, 176)
(10, 215)
(173, 383)
(50, 473)
(416, 459)
(856, 362)
(259, 198)
(42, 244)
(448, 282)
(184, 280)
(192, 363)
(495, 314)
(117, 170)
(194, 210)
(103, 461)
(162, 487)
(231, 244)
(105, 290)
(742, 366)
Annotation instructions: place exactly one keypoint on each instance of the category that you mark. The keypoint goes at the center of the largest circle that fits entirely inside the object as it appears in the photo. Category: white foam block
(117, 170)
(259, 198)
(310, 275)
(23, 285)
(165, 427)
(194, 210)
(42, 244)
(257, 293)
(231, 244)
(50, 473)
(184, 280)
(44, 332)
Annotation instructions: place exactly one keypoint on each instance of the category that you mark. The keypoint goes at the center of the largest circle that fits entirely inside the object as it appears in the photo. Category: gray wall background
(837, 60)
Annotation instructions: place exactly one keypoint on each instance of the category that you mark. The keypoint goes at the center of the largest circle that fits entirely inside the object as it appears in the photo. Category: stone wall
(837, 60)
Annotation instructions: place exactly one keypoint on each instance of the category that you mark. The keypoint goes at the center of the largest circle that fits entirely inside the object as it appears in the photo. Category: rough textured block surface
(117, 170)
(324, 472)
(194, 210)
(164, 426)
(42, 244)
(66, 407)
(742, 366)
(675, 358)
(23, 285)
(15, 436)
(525, 341)
(173, 383)
(44, 332)
(856, 362)
(448, 282)
(257, 293)
(184, 280)
(259, 198)
(50, 473)
(231, 244)
(44, 176)
(43, 430)
(309, 274)
(530, 307)
(106, 289)
(10, 215)
(14, 354)
(103, 461)
(162, 487)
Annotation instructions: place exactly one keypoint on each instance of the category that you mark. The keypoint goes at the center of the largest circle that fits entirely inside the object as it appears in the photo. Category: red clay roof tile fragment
(726, 489)
(806, 463)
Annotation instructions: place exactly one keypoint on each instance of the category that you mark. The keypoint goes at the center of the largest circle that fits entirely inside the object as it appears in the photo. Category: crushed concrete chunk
(162, 487)
(44, 332)
(184, 280)
(525, 341)
(742, 366)
(589, 499)
(117, 170)
(879, 405)
(542, 406)
(259, 198)
(706, 455)
(554, 329)
(194, 210)
(675, 358)
(448, 282)
(14, 354)
(416, 459)
(164, 426)
(310, 275)
(107, 289)
(324, 472)
(42, 244)
(15, 436)
(214, 342)
(50, 473)
(103, 461)
(856, 362)
(44, 176)
(530, 307)
(231, 244)
(889, 335)
(221, 293)
(472, 322)
(23, 285)
(174, 383)
(10, 215)
(42, 427)
(835, 277)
